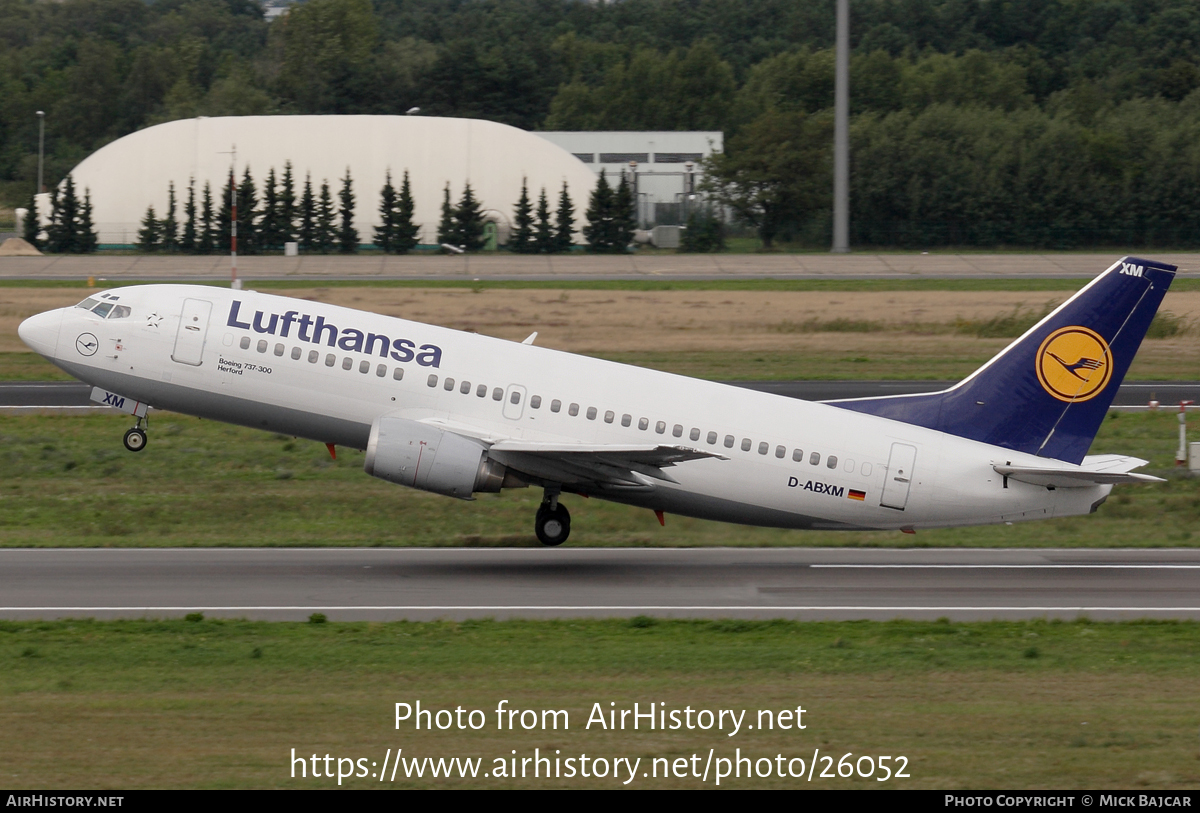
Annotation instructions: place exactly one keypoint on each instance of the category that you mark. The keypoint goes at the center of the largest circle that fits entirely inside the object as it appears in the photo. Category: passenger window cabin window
(746, 444)
(764, 447)
(729, 441)
(848, 466)
(279, 349)
(780, 451)
(481, 391)
(432, 381)
(660, 427)
(695, 434)
(643, 423)
(591, 413)
(381, 370)
(497, 394)
(798, 455)
(712, 438)
(261, 346)
(465, 388)
(677, 430)
(626, 419)
(515, 398)
(610, 416)
(573, 410)
(398, 373)
(313, 355)
(347, 363)
(449, 385)
(832, 462)
(296, 353)
(330, 360)
(535, 402)
(866, 469)
(814, 458)
(555, 405)
(245, 343)
(364, 366)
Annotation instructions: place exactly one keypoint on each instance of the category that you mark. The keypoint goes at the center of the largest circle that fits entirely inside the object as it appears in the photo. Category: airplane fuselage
(329, 373)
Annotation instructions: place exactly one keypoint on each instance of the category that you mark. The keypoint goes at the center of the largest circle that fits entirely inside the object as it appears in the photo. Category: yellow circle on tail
(1074, 364)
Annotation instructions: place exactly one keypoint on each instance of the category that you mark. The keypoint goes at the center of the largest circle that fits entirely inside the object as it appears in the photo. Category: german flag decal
(857, 495)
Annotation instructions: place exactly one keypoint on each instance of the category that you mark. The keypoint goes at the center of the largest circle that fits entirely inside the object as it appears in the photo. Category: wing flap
(622, 466)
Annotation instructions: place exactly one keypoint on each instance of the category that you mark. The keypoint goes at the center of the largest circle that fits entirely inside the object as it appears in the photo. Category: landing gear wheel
(552, 525)
(135, 439)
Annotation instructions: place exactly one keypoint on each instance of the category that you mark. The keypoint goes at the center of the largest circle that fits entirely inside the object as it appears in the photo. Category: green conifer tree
(325, 233)
(448, 226)
(287, 204)
(564, 226)
(469, 219)
(247, 216)
(386, 230)
(599, 231)
(404, 235)
(307, 230)
(87, 239)
(543, 235)
(270, 227)
(168, 232)
(521, 239)
(207, 230)
(188, 243)
(347, 234)
(32, 228)
(148, 239)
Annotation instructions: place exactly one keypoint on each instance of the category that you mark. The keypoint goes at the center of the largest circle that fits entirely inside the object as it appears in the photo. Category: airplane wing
(1108, 469)
(616, 466)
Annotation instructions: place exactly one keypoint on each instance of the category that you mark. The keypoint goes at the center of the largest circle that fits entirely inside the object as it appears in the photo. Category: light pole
(41, 114)
(234, 282)
(841, 132)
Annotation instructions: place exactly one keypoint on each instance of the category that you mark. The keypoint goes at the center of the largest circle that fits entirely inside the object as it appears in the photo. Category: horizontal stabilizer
(1096, 470)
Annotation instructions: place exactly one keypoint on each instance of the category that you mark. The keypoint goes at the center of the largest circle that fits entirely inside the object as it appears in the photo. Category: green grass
(222, 703)
(1069, 285)
(69, 482)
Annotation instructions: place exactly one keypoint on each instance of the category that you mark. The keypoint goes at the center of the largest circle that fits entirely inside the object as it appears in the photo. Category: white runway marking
(1012, 567)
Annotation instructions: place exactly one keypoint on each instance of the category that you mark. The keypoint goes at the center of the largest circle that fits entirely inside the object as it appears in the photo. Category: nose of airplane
(40, 332)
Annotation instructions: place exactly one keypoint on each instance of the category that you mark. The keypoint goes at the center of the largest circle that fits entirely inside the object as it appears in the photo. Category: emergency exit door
(899, 476)
(193, 328)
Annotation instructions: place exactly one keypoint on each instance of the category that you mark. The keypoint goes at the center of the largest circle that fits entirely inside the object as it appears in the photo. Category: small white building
(666, 164)
(131, 173)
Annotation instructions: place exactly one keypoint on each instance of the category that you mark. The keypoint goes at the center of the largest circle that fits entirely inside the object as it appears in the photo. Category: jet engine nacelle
(420, 456)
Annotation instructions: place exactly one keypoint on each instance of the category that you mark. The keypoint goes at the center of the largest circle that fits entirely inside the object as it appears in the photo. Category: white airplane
(457, 413)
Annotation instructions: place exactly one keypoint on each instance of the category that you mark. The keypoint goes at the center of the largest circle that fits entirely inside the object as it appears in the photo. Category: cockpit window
(88, 304)
(120, 312)
(102, 309)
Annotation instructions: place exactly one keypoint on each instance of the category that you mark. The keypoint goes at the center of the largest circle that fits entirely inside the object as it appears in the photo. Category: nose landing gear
(553, 522)
(135, 438)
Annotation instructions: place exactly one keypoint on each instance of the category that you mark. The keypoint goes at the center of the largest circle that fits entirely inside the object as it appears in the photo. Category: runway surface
(458, 583)
(577, 266)
(61, 394)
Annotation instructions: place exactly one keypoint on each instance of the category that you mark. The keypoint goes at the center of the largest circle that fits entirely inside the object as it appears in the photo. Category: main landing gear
(553, 522)
(135, 438)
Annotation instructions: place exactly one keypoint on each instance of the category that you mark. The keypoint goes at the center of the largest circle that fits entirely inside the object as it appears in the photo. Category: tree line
(1062, 122)
(318, 225)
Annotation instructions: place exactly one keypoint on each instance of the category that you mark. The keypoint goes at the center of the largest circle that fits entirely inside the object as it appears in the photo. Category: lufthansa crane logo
(1074, 364)
(87, 344)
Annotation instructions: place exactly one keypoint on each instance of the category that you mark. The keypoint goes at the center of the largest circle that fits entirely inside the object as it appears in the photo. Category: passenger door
(899, 476)
(193, 329)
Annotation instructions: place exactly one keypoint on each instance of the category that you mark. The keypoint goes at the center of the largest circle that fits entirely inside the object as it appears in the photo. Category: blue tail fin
(1047, 392)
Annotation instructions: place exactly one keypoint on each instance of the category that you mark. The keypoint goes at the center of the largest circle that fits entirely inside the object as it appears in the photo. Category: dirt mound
(17, 247)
